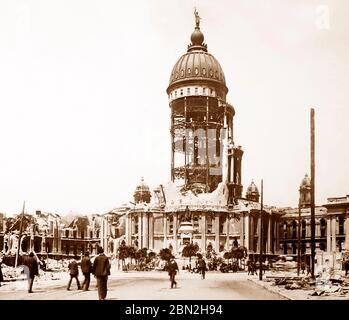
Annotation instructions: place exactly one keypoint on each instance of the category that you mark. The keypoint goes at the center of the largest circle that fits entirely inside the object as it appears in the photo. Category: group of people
(100, 268)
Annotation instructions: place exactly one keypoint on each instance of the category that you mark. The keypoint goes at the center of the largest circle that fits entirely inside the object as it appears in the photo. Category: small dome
(252, 188)
(142, 186)
(142, 192)
(306, 182)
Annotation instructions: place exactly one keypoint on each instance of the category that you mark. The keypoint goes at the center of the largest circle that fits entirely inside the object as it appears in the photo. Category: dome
(197, 64)
(142, 192)
(252, 188)
(306, 182)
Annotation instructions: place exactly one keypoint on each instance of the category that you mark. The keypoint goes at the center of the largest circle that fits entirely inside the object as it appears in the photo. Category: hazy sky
(84, 111)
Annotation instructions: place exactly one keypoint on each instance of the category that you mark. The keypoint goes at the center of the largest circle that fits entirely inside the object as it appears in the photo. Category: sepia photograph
(188, 150)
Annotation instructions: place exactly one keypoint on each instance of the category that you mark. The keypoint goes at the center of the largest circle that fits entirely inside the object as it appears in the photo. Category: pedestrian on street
(172, 268)
(74, 273)
(33, 270)
(202, 267)
(86, 268)
(1, 276)
(101, 270)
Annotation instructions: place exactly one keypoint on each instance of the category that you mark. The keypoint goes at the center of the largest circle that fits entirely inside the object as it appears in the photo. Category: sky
(84, 111)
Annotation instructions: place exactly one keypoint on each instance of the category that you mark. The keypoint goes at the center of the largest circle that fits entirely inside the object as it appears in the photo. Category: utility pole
(20, 235)
(312, 194)
(261, 236)
(299, 238)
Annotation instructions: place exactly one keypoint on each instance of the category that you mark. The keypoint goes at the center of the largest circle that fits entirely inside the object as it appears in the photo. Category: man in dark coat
(74, 273)
(202, 267)
(101, 270)
(33, 270)
(172, 268)
(86, 268)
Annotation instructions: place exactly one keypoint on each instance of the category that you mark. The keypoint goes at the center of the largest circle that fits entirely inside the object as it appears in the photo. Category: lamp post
(312, 194)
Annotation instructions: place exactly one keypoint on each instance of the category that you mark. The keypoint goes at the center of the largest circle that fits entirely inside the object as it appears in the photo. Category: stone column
(203, 232)
(145, 230)
(328, 231)
(242, 229)
(269, 242)
(258, 234)
(216, 227)
(247, 231)
(175, 232)
(165, 230)
(346, 231)
(127, 228)
(227, 241)
(151, 231)
(317, 228)
(140, 245)
(333, 222)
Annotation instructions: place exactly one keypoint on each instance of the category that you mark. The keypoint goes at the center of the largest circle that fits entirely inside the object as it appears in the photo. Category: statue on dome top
(197, 18)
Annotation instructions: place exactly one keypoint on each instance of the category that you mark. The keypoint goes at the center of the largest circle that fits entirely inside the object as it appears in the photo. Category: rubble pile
(327, 282)
(12, 273)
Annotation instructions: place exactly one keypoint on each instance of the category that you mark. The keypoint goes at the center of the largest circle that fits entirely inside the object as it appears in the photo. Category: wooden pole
(261, 236)
(312, 195)
(20, 235)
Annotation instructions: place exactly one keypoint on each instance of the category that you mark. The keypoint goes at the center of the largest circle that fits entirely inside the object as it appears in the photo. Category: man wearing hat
(101, 269)
(172, 269)
(86, 268)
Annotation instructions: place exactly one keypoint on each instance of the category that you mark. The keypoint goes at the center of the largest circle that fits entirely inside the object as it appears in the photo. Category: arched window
(209, 224)
(322, 228)
(294, 229)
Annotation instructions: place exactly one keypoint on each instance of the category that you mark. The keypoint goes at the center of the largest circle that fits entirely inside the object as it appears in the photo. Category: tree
(123, 253)
(165, 254)
(228, 255)
(189, 251)
(131, 252)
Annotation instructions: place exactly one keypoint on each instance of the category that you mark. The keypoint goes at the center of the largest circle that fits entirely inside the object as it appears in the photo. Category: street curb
(261, 284)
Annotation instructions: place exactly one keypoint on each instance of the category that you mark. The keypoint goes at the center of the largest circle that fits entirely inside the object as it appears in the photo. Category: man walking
(86, 268)
(202, 267)
(74, 273)
(172, 268)
(33, 270)
(101, 270)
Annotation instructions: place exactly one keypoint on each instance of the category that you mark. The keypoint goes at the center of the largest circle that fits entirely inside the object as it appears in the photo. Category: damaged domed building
(203, 203)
